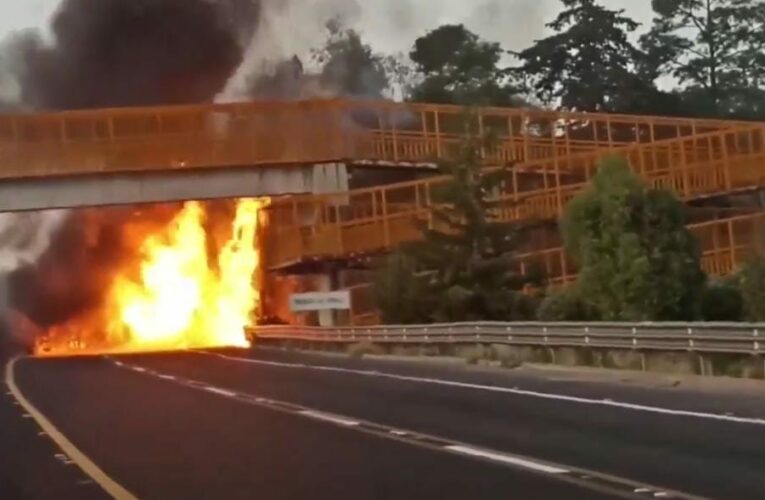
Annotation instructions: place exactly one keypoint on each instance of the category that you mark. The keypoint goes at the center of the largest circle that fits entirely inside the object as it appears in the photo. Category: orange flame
(178, 300)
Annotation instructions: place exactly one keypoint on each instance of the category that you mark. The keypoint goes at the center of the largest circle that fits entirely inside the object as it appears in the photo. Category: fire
(177, 299)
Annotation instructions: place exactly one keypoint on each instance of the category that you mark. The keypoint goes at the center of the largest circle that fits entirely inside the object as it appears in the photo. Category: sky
(393, 25)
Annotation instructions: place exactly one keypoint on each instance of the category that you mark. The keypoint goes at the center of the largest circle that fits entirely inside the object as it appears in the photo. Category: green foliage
(465, 268)
(566, 304)
(637, 260)
(350, 65)
(400, 292)
(472, 257)
(722, 301)
(588, 64)
(714, 48)
(457, 67)
(751, 283)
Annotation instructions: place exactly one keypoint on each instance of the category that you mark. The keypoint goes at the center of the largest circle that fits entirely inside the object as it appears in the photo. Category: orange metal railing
(286, 133)
(377, 219)
(726, 244)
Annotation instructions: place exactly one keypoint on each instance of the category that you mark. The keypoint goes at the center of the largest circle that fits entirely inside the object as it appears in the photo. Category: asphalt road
(239, 424)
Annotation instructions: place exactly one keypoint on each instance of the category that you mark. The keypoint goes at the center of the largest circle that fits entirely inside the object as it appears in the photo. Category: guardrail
(733, 338)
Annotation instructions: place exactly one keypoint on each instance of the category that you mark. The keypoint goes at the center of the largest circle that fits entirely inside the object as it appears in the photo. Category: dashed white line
(335, 419)
(505, 390)
(463, 449)
(661, 494)
(642, 490)
(166, 377)
(506, 459)
(220, 392)
(138, 369)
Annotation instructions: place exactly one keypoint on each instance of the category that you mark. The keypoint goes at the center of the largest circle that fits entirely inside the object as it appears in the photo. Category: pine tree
(467, 259)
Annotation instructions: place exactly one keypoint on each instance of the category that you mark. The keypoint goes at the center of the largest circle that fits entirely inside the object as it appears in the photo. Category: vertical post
(610, 133)
(296, 226)
(339, 230)
(427, 205)
(386, 222)
(684, 164)
(437, 118)
(511, 138)
(425, 135)
(732, 238)
(516, 206)
(726, 160)
(525, 132)
(567, 138)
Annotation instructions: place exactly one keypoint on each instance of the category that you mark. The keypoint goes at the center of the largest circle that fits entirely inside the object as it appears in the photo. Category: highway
(286, 425)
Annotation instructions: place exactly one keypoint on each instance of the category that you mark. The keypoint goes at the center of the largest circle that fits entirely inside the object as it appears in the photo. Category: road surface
(271, 424)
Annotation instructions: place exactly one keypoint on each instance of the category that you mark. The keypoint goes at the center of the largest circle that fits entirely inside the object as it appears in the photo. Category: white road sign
(320, 301)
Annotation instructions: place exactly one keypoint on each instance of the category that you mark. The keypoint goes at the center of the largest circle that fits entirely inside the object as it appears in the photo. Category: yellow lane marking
(83, 462)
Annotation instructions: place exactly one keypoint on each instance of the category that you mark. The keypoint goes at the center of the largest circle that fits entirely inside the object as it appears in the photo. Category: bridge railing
(734, 338)
(726, 244)
(299, 132)
(377, 219)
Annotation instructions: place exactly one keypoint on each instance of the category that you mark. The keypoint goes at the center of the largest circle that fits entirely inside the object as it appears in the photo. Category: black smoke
(111, 53)
(108, 53)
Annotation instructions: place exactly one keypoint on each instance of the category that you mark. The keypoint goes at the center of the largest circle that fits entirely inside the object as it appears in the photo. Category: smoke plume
(134, 52)
(104, 53)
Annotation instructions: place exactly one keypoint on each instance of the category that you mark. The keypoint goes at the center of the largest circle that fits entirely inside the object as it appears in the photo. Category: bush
(751, 283)
(566, 305)
(722, 301)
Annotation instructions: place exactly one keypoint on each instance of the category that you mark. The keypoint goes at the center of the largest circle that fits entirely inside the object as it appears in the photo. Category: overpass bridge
(157, 154)
(319, 152)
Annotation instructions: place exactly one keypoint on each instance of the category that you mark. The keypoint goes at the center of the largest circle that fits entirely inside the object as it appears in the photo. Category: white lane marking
(118, 363)
(642, 490)
(505, 390)
(73, 454)
(506, 459)
(138, 369)
(335, 419)
(166, 377)
(220, 392)
(467, 450)
(661, 494)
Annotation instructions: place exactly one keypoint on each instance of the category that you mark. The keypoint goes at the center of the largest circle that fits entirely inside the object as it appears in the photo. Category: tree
(455, 66)
(714, 48)
(350, 65)
(566, 304)
(465, 268)
(589, 64)
(637, 260)
(722, 301)
(751, 283)
(400, 293)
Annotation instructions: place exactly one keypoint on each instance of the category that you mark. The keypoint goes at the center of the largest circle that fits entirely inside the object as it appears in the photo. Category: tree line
(700, 58)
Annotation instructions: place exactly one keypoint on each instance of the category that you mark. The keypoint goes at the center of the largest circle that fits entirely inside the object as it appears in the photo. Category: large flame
(177, 299)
